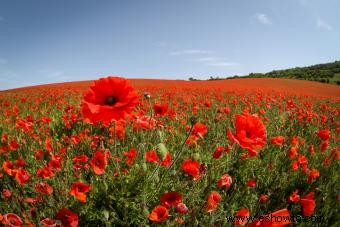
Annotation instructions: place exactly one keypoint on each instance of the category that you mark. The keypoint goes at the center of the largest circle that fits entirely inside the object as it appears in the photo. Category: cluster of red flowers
(56, 158)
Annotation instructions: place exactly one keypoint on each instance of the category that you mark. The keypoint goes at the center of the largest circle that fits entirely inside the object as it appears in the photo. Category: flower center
(110, 100)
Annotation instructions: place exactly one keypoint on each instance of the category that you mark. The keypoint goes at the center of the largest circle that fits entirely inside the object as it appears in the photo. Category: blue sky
(44, 41)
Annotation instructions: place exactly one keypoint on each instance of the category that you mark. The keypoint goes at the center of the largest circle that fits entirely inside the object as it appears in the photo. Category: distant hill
(325, 73)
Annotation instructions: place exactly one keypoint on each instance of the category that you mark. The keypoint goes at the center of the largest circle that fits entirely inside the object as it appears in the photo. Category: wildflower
(151, 156)
(213, 200)
(67, 218)
(314, 173)
(250, 133)
(308, 204)
(98, 163)
(225, 181)
(11, 220)
(192, 168)
(324, 134)
(181, 208)
(79, 189)
(159, 213)
(294, 197)
(278, 140)
(22, 176)
(263, 198)
(160, 109)
(48, 223)
(242, 214)
(166, 160)
(251, 182)
(131, 155)
(44, 188)
(110, 98)
(171, 199)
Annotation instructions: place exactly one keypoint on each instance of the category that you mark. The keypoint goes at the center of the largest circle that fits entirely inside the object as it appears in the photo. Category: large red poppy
(107, 99)
(250, 133)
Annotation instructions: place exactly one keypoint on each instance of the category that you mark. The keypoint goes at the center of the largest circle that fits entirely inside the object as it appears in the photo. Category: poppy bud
(181, 208)
(162, 150)
(144, 166)
(106, 215)
(196, 156)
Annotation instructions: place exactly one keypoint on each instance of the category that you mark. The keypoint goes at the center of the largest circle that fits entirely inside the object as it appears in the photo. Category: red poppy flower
(218, 152)
(45, 172)
(292, 153)
(324, 146)
(251, 182)
(263, 198)
(278, 140)
(22, 176)
(44, 188)
(308, 204)
(192, 168)
(166, 160)
(151, 156)
(80, 158)
(144, 122)
(159, 213)
(242, 216)
(8, 167)
(250, 133)
(48, 223)
(311, 149)
(294, 140)
(11, 220)
(131, 155)
(160, 109)
(171, 199)
(20, 162)
(294, 197)
(107, 99)
(67, 218)
(225, 181)
(79, 189)
(314, 173)
(324, 134)
(6, 193)
(199, 130)
(98, 163)
(213, 200)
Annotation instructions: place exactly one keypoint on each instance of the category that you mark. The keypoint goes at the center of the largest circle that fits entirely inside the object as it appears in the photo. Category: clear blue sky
(43, 41)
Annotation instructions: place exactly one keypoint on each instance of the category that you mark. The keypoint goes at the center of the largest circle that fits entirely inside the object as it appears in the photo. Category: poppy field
(115, 152)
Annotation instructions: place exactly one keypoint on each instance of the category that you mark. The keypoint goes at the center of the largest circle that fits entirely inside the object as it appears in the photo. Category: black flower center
(110, 100)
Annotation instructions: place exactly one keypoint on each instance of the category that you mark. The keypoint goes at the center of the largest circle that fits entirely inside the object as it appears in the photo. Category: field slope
(246, 85)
